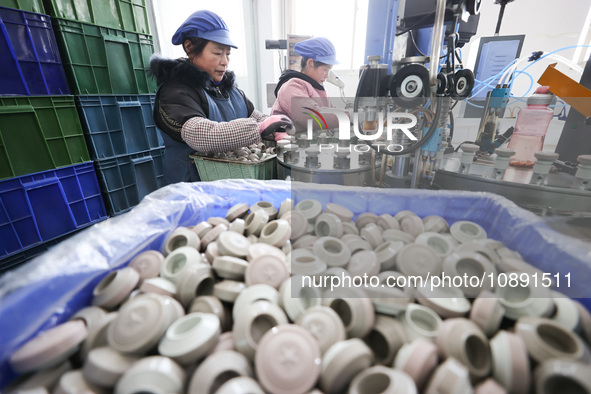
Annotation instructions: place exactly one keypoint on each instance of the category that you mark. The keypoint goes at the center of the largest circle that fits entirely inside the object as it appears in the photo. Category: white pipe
(354, 33)
(567, 62)
(436, 44)
(506, 77)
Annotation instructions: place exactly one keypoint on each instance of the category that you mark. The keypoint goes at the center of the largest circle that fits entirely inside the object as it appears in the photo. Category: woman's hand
(274, 124)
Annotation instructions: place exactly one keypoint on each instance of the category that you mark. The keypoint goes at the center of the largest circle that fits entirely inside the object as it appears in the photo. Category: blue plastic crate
(39, 207)
(118, 125)
(30, 61)
(125, 180)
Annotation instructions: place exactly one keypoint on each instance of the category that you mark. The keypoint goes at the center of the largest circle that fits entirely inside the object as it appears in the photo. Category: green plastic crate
(39, 133)
(130, 15)
(213, 169)
(101, 60)
(35, 6)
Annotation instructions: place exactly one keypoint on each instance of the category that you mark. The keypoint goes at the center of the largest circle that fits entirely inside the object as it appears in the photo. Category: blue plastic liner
(30, 61)
(52, 287)
(14, 260)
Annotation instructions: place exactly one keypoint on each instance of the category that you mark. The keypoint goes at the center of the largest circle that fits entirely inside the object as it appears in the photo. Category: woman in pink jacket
(297, 91)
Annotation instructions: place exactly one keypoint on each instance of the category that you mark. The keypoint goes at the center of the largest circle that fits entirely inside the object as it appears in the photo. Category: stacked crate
(106, 47)
(48, 185)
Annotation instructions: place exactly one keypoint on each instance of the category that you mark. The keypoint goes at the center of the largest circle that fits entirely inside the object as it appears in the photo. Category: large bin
(30, 61)
(131, 15)
(215, 169)
(101, 60)
(49, 289)
(39, 133)
(39, 207)
(126, 179)
(118, 125)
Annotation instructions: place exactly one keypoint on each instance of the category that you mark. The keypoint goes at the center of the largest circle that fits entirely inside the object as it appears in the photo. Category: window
(343, 22)
(582, 53)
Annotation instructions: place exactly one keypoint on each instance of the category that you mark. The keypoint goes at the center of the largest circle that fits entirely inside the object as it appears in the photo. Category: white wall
(269, 17)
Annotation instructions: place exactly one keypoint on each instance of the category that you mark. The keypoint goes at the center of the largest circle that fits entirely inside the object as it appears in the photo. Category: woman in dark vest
(198, 106)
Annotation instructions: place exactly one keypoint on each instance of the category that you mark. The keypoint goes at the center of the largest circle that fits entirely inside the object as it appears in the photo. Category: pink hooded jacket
(305, 95)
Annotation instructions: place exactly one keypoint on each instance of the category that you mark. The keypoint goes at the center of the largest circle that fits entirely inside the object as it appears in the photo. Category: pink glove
(274, 123)
(279, 136)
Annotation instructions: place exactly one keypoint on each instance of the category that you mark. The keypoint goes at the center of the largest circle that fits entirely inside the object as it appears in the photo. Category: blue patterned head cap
(320, 49)
(204, 24)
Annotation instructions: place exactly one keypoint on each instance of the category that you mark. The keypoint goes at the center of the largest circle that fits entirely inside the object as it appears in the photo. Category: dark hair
(198, 45)
(305, 60)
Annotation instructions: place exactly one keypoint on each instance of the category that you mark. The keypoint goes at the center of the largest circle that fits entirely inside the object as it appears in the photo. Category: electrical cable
(414, 43)
(452, 124)
(493, 87)
(507, 76)
(492, 78)
(451, 51)
(450, 47)
(518, 99)
(486, 84)
(507, 73)
(474, 93)
(569, 63)
(566, 61)
(472, 104)
(342, 91)
(459, 57)
(500, 18)
(531, 84)
(510, 73)
(423, 18)
(280, 65)
(478, 91)
(555, 51)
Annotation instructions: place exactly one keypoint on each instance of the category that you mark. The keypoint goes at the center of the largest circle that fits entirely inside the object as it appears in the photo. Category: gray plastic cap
(540, 99)
(584, 159)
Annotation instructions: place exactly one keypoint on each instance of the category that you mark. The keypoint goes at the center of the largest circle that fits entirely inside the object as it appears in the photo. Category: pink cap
(49, 348)
(543, 90)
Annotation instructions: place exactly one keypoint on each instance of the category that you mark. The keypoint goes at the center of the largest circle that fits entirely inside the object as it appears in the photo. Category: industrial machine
(399, 126)
(558, 183)
(397, 118)
(400, 84)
